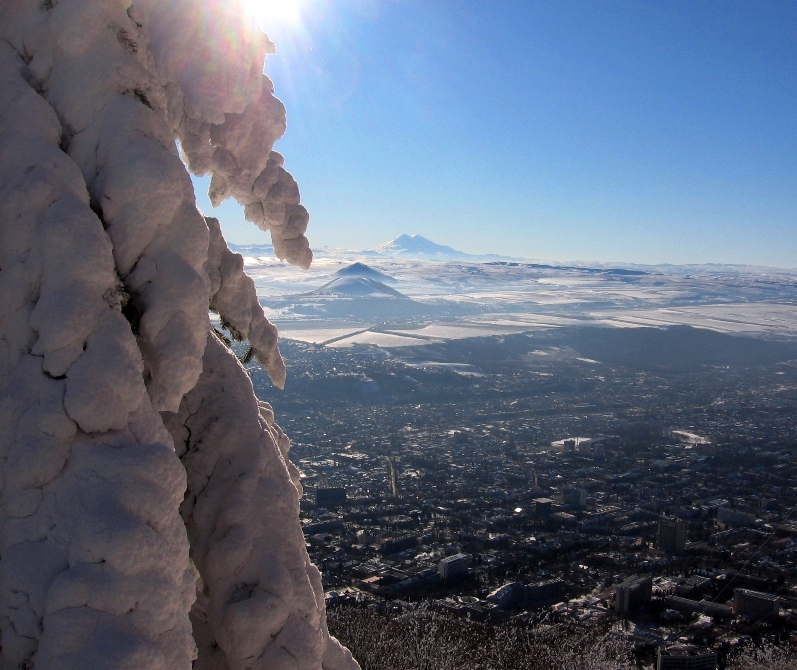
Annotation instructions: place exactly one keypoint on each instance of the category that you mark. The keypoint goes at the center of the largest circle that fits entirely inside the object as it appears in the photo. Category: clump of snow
(94, 568)
(148, 506)
(257, 600)
(233, 296)
(226, 116)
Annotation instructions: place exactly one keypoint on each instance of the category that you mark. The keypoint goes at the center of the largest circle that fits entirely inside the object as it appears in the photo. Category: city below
(535, 488)
(532, 445)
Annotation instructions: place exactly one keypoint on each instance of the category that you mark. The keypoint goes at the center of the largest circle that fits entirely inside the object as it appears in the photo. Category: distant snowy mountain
(416, 246)
(356, 287)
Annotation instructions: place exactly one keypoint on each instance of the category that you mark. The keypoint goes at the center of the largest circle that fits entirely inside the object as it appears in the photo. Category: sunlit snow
(149, 511)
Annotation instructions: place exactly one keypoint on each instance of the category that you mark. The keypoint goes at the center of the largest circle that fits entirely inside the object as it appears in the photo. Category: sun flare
(269, 12)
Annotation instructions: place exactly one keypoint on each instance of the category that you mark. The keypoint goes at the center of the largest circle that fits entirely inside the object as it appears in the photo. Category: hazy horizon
(262, 240)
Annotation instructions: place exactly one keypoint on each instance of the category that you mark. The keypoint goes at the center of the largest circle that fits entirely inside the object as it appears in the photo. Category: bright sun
(283, 12)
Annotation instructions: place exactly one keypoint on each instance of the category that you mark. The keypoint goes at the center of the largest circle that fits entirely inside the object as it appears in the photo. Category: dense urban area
(518, 480)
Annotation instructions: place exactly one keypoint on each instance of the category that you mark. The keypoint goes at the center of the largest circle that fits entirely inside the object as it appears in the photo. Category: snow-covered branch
(148, 507)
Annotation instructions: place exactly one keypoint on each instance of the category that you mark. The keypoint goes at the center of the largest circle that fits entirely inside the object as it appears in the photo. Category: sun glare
(270, 12)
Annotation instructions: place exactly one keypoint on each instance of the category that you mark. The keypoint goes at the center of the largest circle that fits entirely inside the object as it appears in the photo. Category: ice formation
(148, 507)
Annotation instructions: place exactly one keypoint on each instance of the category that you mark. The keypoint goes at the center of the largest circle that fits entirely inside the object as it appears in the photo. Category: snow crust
(227, 117)
(234, 298)
(148, 507)
(261, 599)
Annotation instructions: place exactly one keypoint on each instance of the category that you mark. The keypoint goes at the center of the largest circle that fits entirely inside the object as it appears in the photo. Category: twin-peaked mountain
(417, 246)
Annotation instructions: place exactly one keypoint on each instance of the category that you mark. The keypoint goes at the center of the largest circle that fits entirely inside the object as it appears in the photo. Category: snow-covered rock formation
(148, 508)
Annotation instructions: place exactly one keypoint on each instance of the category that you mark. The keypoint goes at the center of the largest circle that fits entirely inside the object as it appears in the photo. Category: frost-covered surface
(144, 490)
(233, 295)
(255, 601)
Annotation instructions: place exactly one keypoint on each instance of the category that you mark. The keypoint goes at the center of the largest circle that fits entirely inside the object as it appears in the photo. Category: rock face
(148, 507)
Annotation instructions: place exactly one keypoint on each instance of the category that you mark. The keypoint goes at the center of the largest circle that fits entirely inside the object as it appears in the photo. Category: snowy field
(459, 299)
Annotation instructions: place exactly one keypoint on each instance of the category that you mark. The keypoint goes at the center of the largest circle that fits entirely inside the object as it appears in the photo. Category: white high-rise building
(632, 592)
(453, 566)
(754, 603)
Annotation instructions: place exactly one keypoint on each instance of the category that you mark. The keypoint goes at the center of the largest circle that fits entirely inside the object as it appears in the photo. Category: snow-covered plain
(461, 299)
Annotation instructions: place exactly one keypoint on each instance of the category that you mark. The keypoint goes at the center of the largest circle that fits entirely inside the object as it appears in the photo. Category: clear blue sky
(616, 130)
